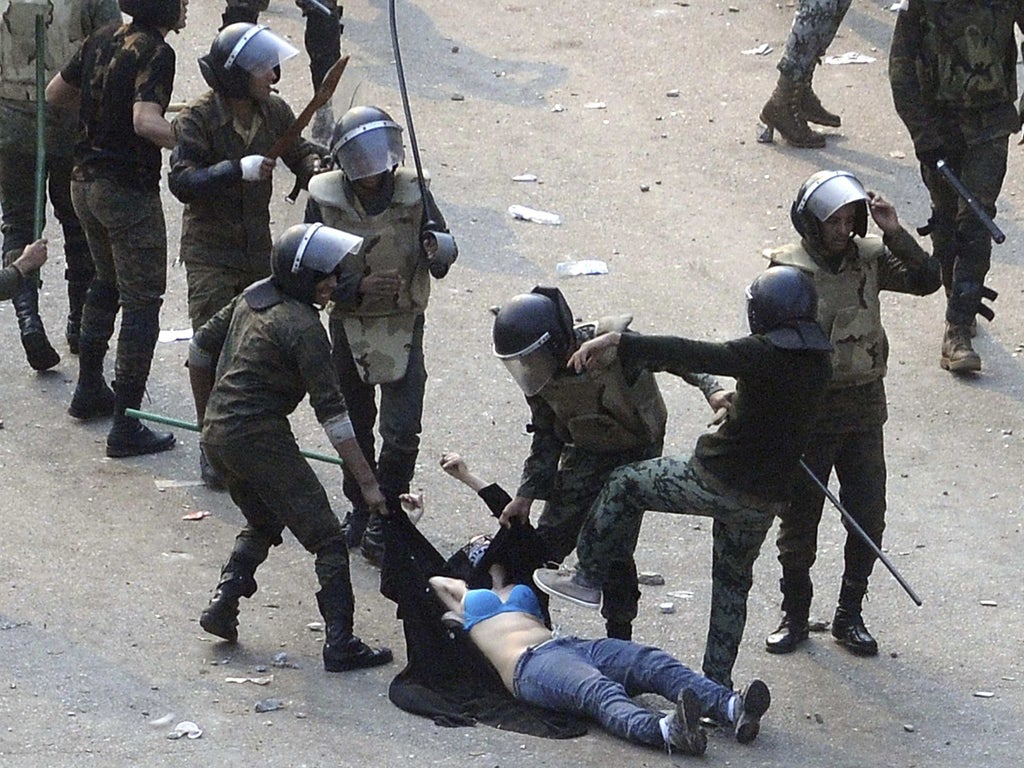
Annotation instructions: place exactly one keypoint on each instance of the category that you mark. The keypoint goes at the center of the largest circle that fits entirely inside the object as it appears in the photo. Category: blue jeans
(598, 678)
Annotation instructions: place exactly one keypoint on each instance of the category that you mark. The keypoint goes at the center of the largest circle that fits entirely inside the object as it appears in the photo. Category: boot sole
(210, 627)
(857, 650)
(379, 659)
(83, 414)
(756, 700)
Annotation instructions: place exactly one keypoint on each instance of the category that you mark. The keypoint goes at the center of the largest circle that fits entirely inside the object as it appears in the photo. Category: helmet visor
(259, 50)
(833, 193)
(370, 149)
(533, 369)
(323, 248)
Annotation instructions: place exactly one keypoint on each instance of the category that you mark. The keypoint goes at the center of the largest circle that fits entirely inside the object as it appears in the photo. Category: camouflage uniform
(115, 188)
(322, 38)
(952, 67)
(68, 24)
(814, 28)
(267, 361)
(741, 475)
(847, 434)
(574, 449)
(378, 341)
(225, 235)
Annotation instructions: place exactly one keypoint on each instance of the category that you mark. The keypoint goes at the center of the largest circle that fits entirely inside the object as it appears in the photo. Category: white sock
(663, 723)
(730, 708)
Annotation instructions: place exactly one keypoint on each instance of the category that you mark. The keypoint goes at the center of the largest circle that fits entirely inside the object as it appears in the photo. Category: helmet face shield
(533, 367)
(259, 50)
(322, 249)
(370, 149)
(832, 194)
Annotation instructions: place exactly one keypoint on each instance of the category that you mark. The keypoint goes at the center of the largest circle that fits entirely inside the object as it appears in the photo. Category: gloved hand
(256, 167)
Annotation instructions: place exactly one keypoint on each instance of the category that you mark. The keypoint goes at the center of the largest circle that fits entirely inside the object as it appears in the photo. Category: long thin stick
(860, 532)
(191, 426)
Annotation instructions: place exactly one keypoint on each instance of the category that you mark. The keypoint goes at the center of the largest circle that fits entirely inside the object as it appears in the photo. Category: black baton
(993, 229)
(855, 526)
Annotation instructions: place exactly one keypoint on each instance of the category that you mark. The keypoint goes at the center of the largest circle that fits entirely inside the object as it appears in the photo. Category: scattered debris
(897, 154)
(185, 728)
(909, 728)
(315, 626)
(525, 177)
(455, 49)
(523, 213)
(672, 94)
(269, 705)
(558, 108)
(163, 485)
(160, 722)
(263, 680)
(645, 187)
(681, 594)
(12, 624)
(281, 661)
(989, 603)
(984, 694)
(819, 719)
(650, 579)
(595, 105)
(762, 50)
(667, 607)
(582, 267)
(458, 97)
(199, 514)
(183, 334)
(850, 57)
(817, 626)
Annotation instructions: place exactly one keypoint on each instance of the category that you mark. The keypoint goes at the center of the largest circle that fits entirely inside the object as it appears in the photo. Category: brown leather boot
(782, 112)
(812, 110)
(958, 356)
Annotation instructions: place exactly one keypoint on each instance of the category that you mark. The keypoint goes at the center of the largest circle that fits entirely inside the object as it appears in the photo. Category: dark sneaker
(754, 702)
(135, 439)
(685, 735)
(567, 585)
(791, 633)
(353, 653)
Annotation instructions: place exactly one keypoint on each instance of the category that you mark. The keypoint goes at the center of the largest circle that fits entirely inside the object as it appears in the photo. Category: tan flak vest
(64, 35)
(380, 329)
(599, 410)
(848, 309)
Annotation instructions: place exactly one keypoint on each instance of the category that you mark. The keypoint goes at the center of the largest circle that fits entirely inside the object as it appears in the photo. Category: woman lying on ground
(596, 678)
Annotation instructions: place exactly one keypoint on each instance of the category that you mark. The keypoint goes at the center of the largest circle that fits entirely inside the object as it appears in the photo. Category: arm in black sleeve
(495, 497)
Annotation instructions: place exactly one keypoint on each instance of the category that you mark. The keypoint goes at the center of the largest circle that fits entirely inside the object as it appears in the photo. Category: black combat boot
(77, 290)
(237, 579)
(796, 606)
(39, 352)
(128, 436)
(847, 625)
(343, 651)
(93, 398)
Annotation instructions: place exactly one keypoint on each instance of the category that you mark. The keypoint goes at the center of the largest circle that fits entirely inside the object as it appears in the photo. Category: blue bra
(481, 604)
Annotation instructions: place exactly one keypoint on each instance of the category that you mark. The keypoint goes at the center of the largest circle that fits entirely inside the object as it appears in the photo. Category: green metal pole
(40, 210)
(191, 426)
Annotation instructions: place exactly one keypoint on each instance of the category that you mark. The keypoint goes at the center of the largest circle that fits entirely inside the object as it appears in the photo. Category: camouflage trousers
(670, 484)
(581, 476)
(275, 488)
(859, 462)
(212, 287)
(959, 240)
(814, 27)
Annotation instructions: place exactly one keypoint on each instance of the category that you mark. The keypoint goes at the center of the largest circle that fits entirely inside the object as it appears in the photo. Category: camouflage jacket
(952, 68)
(391, 242)
(616, 408)
(67, 25)
(778, 393)
(850, 314)
(226, 221)
(267, 361)
(115, 68)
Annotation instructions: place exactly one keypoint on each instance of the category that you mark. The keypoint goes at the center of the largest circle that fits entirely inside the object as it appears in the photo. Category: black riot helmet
(240, 50)
(366, 141)
(160, 14)
(533, 337)
(824, 193)
(307, 253)
(782, 304)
